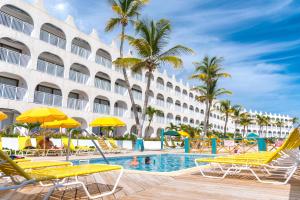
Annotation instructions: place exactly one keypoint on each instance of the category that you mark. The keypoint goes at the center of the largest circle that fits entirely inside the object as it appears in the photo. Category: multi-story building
(46, 61)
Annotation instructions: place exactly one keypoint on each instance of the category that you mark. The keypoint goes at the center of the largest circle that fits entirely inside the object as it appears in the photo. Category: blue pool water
(158, 162)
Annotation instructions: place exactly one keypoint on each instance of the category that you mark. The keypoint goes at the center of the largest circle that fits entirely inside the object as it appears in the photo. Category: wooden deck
(192, 186)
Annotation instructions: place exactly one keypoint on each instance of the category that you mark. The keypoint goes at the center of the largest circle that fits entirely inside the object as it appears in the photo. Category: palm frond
(126, 62)
(173, 60)
(112, 23)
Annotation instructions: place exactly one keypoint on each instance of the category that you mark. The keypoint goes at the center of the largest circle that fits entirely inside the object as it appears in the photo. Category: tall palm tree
(227, 109)
(126, 11)
(209, 71)
(260, 119)
(153, 38)
(245, 121)
(151, 112)
(279, 124)
(236, 115)
(267, 122)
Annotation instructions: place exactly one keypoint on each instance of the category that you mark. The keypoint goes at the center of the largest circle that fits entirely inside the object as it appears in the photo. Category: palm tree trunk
(244, 131)
(206, 116)
(135, 113)
(145, 103)
(225, 126)
(150, 121)
(235, 127)
(280, 135)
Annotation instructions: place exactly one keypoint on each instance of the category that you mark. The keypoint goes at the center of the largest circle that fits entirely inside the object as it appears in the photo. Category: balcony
(160, 103)
(169, 105)
(102, 84)
(121, 90)
(160, 120)
(137, 95)
(120, 112)
(78, 77)
(103, 61)
(160, 86)
(169, 120)
(82, 52)
(77, 104)
(14, 57)
(12, 92)
(177, 108)
(15, 23)
(177, 93)
(50, 68)
(53, 39)
(47, 99)
(101, 108)
(137, 76)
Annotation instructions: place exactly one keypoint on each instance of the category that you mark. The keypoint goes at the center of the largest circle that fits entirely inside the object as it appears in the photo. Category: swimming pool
(158, 162)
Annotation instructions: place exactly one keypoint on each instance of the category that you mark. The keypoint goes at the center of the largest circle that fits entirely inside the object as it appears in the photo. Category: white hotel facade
(48, 62)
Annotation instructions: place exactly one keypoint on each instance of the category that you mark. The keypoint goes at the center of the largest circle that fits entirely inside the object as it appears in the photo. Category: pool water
(158, 162)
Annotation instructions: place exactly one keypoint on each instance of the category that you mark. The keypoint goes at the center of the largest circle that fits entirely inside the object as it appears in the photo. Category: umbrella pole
(69, 144)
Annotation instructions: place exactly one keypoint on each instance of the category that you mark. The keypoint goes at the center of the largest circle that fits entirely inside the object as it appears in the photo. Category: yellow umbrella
(2, 116)
(107, 122)
(184, 134)
(41, 115)
(67, 123)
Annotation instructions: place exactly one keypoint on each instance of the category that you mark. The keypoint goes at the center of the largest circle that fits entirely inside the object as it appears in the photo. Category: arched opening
(102, 105)
(102, 81)
(197, 110)
(192, 121)
(137, 75)
(178, 105)
(149, 132)
(103, 58)
(16, 19)
(185, 93)
(14, 52)
(177, 120)
(191, 109)
(12, 86)
(50, 64)
(197, 122)
(177, 91)
(151, 97)
(185, 120)
(169, 86)
(77, 100)
(147, 75)
(160, 83)
(81, 48)
(82, 121)
(158, 132)
(169, 103)
(120, 87)
(79, 73)
(160, 118)
(53, 35)
(138, 109)
(120, 109)
(160, 100)
(170, 118)
(134, 130)
(48, 94)
(137, 92)
(185, 107)
(6, 124)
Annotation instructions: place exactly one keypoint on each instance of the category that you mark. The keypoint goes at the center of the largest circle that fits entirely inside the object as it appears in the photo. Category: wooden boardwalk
(192, 186)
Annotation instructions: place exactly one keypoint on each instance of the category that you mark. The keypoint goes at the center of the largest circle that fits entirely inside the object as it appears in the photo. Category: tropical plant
(151, 112)
(29, 126)
(236, 115)
(172, 127)
(279, 124)
(245, 121)
(209, 71)
(227, 109)
(153, 38)
(295, 121)
(267, 122)
(192, 131)
(260, 119)
(126, 11)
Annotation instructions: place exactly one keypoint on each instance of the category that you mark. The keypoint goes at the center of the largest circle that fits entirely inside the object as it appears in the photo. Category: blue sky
(259, 40)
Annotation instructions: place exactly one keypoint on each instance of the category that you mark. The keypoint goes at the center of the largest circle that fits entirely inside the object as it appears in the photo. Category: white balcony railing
(169, 105)
(160, 119)
(53, 39)
(78, 77)
(77, 104)
(120, 112)
(137, 95)
(103, 61)
(121, 90)
(101, 108)
(47, 99)
(50, 68)
(177, 93)
(168, 89)
(137, 76)
(14, 57)
(12, 92)
(177, 108)
(160, 103)
(160, 86)
(15, 23)
(82, 52)
(102, 84)
(169, 120)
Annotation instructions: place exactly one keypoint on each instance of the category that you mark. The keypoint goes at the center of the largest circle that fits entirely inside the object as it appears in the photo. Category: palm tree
(209, 71)
(151, 112)
(150, 49)
(260, 119)
(28, 126)
(279, 124)
(245, 121)
(237, 111)
(172, 127)
(126, 11)
(227, 109)
(267, 122)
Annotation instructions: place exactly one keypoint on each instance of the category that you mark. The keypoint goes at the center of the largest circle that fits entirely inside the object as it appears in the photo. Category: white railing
(169, 120)
(14, 57)
(177, 93)
(103, 61)
(185, 110)
(178, 108)
(168, 89)
(169, 105)
(82, 52)
(137, 95)
(102, 84)
(15, 23)
(121, 90)
(12, 92)
(53, 39)
(47, 99)
(77, 104)
(151, 100)
(160, 86)
(101, 108)
(120, 112)
(50, 68)
(137, 76)
(78, 77)
(160, 103)
(160, 119)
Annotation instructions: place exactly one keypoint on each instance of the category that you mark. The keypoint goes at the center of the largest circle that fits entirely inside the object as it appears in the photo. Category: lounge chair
(105, 147)
(49, 151)
(55, 175)
(115, 146)
(4, 150)
(283, 162)
(25, 146)
(78, 149)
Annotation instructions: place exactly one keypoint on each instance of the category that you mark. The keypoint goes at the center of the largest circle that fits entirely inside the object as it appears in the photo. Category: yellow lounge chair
(105, 147)
(78, 149)
(265, 161)
(49, 151)
(24, 142)
(115, 146)
(54, 174)
(1, 147)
